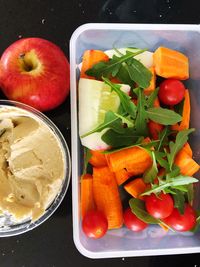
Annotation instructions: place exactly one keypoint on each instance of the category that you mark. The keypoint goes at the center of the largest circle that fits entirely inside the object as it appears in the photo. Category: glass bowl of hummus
(35, 168)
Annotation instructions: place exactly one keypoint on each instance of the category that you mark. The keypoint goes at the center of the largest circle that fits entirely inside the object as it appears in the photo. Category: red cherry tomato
(171, 92)
(94, 224)
(160, 206)
(182, 222)
(132, 222)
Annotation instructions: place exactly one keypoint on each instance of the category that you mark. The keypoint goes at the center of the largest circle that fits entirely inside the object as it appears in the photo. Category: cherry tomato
(132, 222)
(160, 206)
(171, 92)
(94, 224)
(182, 222)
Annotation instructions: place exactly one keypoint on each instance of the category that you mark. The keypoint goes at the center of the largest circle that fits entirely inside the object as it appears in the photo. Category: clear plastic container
(185, 38)
(7, 226)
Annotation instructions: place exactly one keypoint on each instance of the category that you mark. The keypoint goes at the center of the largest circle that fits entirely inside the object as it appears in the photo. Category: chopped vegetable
(135, 160)
(152, 85)
(87, 199)
(90, 58)
(129, 133)
(136, 187)
(186, 164)
(97, 159)
(170, 63)
(122, 176)
(107, 197)
(95, 224)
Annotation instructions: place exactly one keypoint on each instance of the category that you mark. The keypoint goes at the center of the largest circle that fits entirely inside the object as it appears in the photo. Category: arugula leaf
(124, 77)
(176, 181)
(114, 139)
(110, 121)
(181, 139)
(138, 208)
(87, 156)
(179, 201)
(125, 119)
(163, 136)
(138, 73)
(137, 143)
(141, 118)
(126, 102)
(163, 116)
(112, 66)
(152, 97)
(160, 159)
(173, 173)
(190, 193)
(151, 173)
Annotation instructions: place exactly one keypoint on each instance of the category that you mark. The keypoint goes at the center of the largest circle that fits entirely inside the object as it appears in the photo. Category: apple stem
(27, 65)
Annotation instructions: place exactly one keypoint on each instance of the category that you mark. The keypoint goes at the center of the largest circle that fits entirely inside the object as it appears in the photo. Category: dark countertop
(51, 244)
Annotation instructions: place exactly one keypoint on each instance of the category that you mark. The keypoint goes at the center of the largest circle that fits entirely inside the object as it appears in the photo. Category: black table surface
(51, 244)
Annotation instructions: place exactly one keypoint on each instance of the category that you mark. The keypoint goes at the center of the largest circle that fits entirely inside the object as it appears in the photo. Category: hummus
(31, 165)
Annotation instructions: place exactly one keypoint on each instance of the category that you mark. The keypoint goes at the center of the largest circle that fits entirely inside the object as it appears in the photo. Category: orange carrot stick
(184, 124)
(87, 199)
(135, 160)
(188, 149)
(107, 197)
(136, 187)
(122, 176)
(186, 164)
(171, 64)
(152, 85)
(90, 58)
(97, 159)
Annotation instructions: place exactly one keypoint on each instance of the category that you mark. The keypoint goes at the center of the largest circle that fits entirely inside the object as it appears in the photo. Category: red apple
(36, 72)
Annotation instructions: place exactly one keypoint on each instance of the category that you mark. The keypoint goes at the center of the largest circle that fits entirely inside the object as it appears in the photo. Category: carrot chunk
(135, 160)
(186, 164)
(107, 196)
(122, 176)
(90, 58)
(97, 159)
(136, 187)
(87, 199)
(170, 63)
(152, 85)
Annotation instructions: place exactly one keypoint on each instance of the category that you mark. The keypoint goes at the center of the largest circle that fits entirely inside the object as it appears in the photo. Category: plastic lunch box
(186, 38)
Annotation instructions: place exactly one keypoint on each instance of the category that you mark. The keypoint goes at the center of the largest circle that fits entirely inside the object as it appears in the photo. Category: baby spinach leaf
(163, 116)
